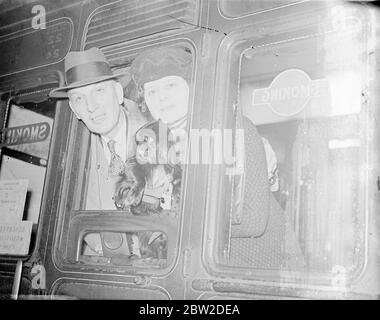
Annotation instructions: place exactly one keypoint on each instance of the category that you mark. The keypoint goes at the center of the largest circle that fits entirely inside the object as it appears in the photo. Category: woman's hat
(86, 67)
(161, 62)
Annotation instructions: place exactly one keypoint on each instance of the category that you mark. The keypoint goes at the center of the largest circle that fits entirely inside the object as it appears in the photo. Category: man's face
(167, 98)
(98, 105)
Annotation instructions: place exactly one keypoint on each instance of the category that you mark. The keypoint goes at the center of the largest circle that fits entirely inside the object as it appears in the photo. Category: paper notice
(12, 199)
(15, 237)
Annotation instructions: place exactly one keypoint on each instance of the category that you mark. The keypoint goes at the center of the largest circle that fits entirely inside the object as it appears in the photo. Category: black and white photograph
(189, 150)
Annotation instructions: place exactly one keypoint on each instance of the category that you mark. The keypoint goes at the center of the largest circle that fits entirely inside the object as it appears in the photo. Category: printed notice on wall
(14, 233)
(15, 237)
(12, 199)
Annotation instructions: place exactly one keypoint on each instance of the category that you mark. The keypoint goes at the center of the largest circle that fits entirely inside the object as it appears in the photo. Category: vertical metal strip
(4, 125)
(16, 280)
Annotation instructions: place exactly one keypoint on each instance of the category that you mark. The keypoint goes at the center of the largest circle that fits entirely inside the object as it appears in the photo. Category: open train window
(97, 229)
(27, 122)
(297, 206)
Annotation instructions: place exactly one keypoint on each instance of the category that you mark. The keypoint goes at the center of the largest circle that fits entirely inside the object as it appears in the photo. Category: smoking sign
(290, 92)
(25, 134)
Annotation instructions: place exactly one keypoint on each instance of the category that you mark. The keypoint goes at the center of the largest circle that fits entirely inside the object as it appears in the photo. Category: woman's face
(167, 98)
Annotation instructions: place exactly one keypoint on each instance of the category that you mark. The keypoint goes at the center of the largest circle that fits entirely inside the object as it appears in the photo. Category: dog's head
(129, 187)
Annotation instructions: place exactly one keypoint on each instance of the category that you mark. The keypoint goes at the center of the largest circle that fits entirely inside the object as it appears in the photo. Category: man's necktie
(117, 165)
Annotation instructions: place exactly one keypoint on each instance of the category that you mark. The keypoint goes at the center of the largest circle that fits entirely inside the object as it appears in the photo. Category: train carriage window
(237, 8)
(100, 228)
(299, 201)
(25, 145)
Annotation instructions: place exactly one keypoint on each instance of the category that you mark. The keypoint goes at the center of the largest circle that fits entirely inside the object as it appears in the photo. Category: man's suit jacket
(100, 187)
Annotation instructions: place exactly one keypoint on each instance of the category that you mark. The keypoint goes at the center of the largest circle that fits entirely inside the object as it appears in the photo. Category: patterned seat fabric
(266, 251)
(253, 218)
(258, 241)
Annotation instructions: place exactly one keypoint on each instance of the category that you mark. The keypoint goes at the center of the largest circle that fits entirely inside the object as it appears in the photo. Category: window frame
(35, 94)
(74, 223)
(227, 95)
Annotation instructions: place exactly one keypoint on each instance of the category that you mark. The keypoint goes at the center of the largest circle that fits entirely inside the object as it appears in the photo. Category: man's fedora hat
(86, 67)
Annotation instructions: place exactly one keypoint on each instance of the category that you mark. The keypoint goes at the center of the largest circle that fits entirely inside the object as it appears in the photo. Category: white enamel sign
(289, 92)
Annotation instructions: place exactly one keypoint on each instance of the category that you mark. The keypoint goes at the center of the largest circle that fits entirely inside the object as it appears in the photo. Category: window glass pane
(301, 203)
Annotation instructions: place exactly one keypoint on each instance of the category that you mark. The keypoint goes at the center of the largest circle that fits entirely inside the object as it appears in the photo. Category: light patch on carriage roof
(289, 92)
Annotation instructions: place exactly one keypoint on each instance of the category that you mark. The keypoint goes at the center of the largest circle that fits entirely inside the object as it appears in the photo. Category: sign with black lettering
(30, 133)
(14, 233)
(15, 237)
(12, 199)
(290, 92)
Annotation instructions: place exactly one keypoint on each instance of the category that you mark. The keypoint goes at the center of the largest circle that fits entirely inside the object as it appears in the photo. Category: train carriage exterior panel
(285, 93)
